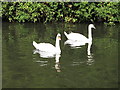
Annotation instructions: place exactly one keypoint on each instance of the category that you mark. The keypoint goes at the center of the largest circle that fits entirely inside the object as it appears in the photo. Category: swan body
(47, 47)
(44, 54)
(73, 43)
(80, 37)
(75, 36)
(44, 46)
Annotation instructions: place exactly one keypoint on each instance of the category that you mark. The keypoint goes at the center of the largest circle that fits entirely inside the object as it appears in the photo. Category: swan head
(59, 36)
(92, 26)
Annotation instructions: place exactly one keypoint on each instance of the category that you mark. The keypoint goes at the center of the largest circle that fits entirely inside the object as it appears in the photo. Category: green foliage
(61, 11)
(108, 11)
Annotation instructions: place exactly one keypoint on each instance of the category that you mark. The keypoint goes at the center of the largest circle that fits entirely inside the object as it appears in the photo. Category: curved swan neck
(89, 33)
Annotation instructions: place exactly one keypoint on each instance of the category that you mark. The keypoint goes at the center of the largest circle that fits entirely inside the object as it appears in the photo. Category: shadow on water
(93, 65)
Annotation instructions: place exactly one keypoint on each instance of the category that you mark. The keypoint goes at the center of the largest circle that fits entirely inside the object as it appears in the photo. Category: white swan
(49, 48)
(44, 54)
(74, 44)
(80, 37)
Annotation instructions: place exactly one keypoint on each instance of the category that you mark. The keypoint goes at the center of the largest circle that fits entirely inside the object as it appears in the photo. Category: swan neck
(89, 33)
(57, 58)
(89, 47)
(57, 45)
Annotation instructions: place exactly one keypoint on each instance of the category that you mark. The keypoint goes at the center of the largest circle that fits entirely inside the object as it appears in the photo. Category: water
(75, 68)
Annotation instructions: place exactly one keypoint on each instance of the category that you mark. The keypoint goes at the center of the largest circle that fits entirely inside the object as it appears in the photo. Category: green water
(23, 69)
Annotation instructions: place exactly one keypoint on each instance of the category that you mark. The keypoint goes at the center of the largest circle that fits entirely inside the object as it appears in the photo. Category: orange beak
(59, 37)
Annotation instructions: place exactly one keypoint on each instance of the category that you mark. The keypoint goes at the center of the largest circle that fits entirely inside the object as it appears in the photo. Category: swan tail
(35, 44)
(66, 34)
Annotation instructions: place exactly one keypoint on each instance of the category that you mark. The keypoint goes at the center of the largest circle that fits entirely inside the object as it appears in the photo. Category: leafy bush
(61, 11)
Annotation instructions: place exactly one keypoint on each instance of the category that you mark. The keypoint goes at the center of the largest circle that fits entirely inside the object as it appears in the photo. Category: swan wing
(76, 36)
(47, 47)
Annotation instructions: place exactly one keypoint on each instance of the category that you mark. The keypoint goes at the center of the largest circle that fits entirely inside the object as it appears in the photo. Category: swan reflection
(90, 56)
(49, 55)
(57, 63)
(78, 44)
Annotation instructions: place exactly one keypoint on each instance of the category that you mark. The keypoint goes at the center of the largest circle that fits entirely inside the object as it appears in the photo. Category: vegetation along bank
(74, 12)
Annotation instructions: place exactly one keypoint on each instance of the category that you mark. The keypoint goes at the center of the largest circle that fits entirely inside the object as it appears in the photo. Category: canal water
(23, 68)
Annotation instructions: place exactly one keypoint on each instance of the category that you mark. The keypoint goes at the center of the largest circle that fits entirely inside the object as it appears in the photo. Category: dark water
(23, 69)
